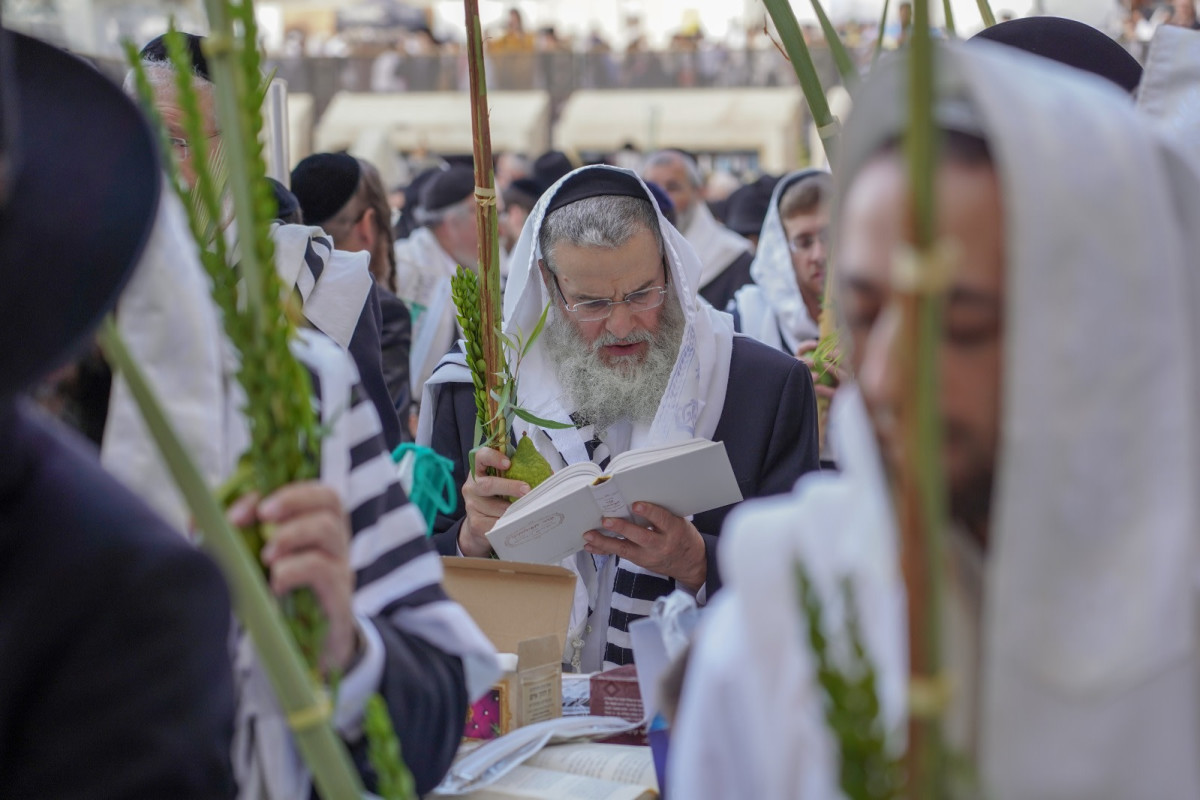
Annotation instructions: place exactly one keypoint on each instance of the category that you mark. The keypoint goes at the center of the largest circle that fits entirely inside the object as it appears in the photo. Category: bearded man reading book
(630, 357)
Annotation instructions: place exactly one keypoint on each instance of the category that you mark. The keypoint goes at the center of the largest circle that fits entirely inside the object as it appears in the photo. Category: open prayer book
(578, 772)
(547, 525)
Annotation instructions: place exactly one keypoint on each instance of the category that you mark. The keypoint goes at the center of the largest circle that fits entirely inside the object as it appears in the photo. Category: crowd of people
(1067, 397)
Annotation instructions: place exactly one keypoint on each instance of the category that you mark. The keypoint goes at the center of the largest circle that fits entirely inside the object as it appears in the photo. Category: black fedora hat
(83, 186)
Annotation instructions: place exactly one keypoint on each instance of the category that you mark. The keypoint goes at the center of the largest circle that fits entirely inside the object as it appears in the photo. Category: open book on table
(547, 525)
(570, 771)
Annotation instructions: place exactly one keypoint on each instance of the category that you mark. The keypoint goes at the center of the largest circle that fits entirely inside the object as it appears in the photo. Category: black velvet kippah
(286, 204)
(596, 183)
(324, 183)
(748, 206)
(1069, 42)
(156, 51)
(549, 167)
(448, 187)
(665, 205)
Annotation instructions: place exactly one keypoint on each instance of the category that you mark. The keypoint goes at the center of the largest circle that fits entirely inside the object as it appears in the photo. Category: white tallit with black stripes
(398, 576)
(691, 407)
(172, 326)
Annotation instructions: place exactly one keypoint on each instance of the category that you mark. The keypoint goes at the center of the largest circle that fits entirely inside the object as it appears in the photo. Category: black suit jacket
(768, 425)
(395, 337)
(366, 349)
(115, 677)
(721, 289)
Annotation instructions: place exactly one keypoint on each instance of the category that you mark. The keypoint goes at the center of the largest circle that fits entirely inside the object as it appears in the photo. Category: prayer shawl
(180, 344)
(423, 273)
(173, 328)
(1088, 682)
(397, 577)
(1170, 87)
(691, 406)
(771, 309)
(715, 245)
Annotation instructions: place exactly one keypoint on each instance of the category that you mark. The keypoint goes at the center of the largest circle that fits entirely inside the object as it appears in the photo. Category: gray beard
(603, 394)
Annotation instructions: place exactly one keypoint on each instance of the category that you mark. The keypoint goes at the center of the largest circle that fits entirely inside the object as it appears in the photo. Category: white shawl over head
(775, 277)
(695, 394)
(1170, 87)
(1089, 674)
(716, 245)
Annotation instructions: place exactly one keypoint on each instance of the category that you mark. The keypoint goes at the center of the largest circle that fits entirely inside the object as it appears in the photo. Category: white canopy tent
(376, 126)
(768, 122)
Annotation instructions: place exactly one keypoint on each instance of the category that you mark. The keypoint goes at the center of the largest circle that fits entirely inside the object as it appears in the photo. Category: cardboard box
(524, 609)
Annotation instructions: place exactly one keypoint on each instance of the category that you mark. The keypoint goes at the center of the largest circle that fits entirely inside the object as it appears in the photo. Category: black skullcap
(522, 192)
(747, 207)
(324, 183)
(664, 201)
(156, 51)
(412, 200)
(287, 207)
(596, 183)
(1069, 42)
(549, 167)
(528, 186)
(448, 187)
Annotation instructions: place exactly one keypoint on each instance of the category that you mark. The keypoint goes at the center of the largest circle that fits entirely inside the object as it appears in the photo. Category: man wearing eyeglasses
(631, 357)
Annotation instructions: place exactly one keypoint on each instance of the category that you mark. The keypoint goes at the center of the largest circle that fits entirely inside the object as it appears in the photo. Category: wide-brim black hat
(83, 197)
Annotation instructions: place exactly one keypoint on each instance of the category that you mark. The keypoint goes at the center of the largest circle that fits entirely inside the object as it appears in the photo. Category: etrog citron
(528, 464)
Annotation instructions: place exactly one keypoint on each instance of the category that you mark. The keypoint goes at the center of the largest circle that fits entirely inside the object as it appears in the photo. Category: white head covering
(695, 393)
(1090, 671)
(1090, 628)
(775, 276)
(1170, 87)
(716, 246)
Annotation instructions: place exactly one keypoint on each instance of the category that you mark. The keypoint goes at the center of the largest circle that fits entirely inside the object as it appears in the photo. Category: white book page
(693, 480)
(652, 455)
(622, 763)
(532, 783)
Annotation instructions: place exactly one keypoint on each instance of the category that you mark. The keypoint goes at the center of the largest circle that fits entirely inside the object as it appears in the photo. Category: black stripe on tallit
(430, 593)
(370, 511)
(391, 561)
(313, 261)
(366, 450)
(617, 655)
(621, 620)
(641, 586)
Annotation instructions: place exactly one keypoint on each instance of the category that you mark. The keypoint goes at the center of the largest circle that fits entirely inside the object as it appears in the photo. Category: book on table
(547, 525)
(571, 771)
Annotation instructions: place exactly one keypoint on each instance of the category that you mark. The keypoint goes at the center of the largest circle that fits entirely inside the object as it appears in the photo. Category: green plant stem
(806, 72)
(985, 11)
(487, 221)
(326, 756)
(948, 13)
(879, 39)
(841, 57)
(228, 86)
(921, 501)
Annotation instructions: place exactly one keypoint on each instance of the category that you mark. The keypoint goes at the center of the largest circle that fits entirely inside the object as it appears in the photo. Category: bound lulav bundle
(260, 317)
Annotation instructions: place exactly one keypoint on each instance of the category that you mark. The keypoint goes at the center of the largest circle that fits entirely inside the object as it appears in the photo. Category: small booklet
(569, 771)
(547, 525)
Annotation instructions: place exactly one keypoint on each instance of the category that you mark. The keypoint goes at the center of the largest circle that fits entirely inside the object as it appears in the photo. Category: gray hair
(667, 158)
(459, 210)
(605, 221)
(160, 74)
